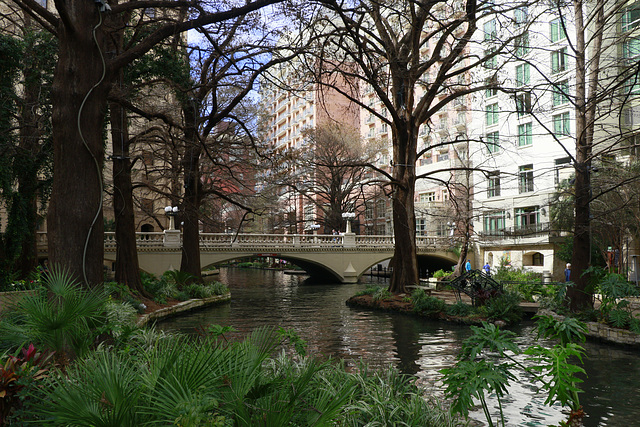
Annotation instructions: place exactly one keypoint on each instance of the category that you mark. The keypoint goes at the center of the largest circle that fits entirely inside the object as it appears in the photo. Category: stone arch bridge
(344, 257)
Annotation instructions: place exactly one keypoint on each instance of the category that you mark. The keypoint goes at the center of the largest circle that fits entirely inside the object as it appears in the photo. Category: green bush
(369, 290)
(183, 296)
(441, 273)
(218, 288)
(381, 294)
(508, 273)
(62, 316)
(189, 382)
(504, 307)
(426, 304)
(460, 309)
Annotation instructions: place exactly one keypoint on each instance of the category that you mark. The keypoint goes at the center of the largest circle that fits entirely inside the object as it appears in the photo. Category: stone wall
(604, 332)
(181, 307)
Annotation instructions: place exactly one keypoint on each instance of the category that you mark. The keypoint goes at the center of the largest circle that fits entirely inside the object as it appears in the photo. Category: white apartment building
(523, 140)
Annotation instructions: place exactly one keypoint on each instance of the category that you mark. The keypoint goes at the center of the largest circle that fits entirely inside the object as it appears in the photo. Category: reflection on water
(416, 346)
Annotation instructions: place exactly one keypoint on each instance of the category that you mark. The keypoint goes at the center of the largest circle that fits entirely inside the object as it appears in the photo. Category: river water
(317, 312)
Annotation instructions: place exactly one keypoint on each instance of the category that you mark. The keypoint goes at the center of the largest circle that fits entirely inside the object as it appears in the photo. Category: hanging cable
(84, 142)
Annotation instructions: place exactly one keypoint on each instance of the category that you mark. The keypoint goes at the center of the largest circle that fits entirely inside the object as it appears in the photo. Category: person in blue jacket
(467, 266)
(567, 273)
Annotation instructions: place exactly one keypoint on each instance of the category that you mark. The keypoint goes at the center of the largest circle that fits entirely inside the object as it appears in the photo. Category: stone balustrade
(225, 240)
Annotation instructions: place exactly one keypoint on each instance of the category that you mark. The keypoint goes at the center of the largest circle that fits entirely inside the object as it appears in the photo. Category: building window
(381, 208)
(427, 197)
(521, 44)
(492, 114)
(421, 225)
(630, 52)
(368, 211)
(537, 259)
(525, 137)
(525, 178)
(560, 165)
(561, 93)
(146, 205)
(493, 184)
(631, 145)
(557, 30)
(492, 62)
(631, 48)
(561, 124)
(490, 30)
(493, 142)
(523, 103)
(630, 17)
(526, 218)
(492, 87)
(523, 72)
(494, 222)
(442, 157)
(521, 15)
(559, 60)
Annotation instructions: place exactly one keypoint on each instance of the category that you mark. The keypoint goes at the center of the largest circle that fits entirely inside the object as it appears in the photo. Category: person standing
(487, 269)
(567, 273)
(467, 266)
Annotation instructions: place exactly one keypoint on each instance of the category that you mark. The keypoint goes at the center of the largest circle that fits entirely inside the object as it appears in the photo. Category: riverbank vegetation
(73, 356)
(504, 308)
(616, 300)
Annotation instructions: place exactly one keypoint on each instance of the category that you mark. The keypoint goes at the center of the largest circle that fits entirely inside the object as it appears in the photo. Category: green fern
(619, 318)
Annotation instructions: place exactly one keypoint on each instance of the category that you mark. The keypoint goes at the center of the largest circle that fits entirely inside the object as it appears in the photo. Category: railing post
(171, 239)
(349, 240)
(296, 240)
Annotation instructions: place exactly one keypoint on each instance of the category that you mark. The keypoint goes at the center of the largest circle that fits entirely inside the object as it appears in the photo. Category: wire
(84, 142)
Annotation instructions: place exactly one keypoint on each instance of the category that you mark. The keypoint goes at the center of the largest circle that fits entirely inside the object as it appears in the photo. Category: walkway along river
(416, 346)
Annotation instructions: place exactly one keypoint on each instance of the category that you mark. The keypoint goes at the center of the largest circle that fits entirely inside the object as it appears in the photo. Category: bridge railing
(222, 240)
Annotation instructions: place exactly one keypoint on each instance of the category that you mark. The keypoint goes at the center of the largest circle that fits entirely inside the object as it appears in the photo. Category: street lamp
(171, 212)
(348, 216)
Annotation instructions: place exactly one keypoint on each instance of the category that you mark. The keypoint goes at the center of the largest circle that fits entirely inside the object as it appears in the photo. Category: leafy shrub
(197, 290)
(381, 294)
(179, 278)
(218, 288)
(182, 296)
(614, 290)
(62, 316)
(460, 309)
(441, 274)
(426, 304)
(511, 274)
(503, 307)
(369, 290)
(121, 318)
(18, 374)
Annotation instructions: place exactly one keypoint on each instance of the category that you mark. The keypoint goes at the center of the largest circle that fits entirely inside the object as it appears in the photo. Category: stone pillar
(349, 240)
(350, 275)
(171, 238)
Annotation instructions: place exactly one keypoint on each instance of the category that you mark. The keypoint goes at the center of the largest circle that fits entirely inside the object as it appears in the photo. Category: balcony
(542, 229)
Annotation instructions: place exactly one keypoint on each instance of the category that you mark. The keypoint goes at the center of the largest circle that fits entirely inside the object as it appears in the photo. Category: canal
(317, 312)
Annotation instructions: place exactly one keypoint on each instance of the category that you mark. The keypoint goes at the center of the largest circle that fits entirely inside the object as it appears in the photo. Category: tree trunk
(405, 258)
(190, 262)
(580, 296)
(74, 220)
(26, 167)
(127, 267)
